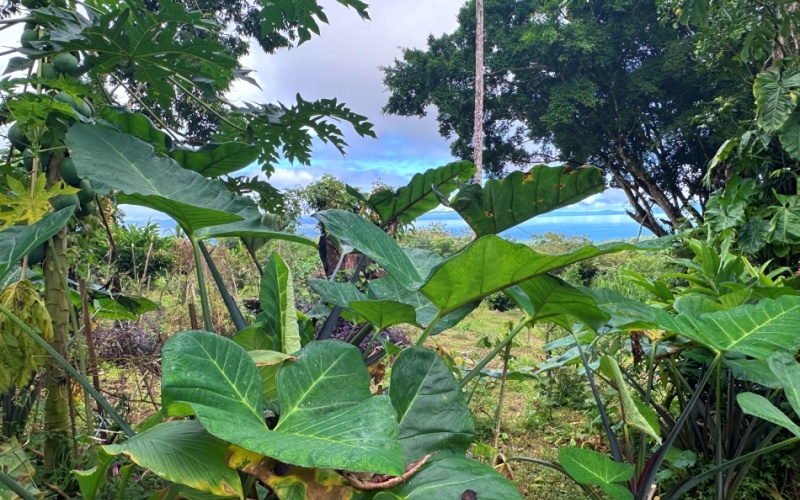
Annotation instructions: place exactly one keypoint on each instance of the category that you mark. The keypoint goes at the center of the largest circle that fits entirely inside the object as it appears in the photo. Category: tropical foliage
(694, 379)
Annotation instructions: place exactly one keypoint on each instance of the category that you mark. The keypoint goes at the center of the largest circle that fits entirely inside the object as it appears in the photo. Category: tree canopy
(603, 82)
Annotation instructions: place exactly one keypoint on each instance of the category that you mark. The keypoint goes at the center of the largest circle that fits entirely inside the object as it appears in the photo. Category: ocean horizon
(598, 226)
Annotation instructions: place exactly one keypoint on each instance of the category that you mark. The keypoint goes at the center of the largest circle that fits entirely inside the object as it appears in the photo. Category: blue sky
(344, 63)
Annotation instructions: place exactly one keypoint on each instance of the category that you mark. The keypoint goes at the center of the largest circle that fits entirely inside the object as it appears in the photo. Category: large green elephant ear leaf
(504, 203)
(137, 125)
(551, 299)
(373, 242)
(755, 330)
(434, 417)
(328, 416)
(454, 478)
(18, 241)
(491, 264)
(214, 160)
(420, 194)
(121, 163)
(184, 452)
(277, 303)
(592, 467)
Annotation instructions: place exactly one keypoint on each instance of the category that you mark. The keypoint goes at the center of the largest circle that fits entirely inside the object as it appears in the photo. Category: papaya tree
(76, 67)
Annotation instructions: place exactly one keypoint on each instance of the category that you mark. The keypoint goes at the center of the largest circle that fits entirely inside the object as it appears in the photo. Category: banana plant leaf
(421, 194)
(504, 203)
(18, 241)
(328, 416)
(120, 163)
(184, 452)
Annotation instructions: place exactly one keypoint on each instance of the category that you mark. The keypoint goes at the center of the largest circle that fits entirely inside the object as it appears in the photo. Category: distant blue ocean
(597, 226)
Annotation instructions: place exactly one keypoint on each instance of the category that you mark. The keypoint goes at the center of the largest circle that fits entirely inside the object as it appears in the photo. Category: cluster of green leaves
(730, 321)
(605, 83)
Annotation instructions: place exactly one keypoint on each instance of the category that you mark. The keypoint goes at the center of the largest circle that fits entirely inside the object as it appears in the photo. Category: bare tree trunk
(56, 408)
(477, 136)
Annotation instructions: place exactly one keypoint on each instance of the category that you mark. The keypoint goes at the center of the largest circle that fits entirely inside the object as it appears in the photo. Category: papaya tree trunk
(56, 408)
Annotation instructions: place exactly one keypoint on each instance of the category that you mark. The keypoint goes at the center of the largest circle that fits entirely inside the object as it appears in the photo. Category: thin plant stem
(489, 357)
(616, 453)
(201, 283)
(499, 414)
(427, 331)
(14, 486)
(718, 434)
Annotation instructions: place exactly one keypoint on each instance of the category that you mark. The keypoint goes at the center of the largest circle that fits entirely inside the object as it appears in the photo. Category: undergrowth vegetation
(376, 359)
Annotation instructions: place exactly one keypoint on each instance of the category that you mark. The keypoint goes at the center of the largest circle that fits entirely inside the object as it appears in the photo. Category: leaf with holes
(421, 194)
(504, 203)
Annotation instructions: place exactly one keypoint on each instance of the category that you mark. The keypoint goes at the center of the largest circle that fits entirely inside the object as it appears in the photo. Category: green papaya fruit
(27, 37)
(65, 63)
(86, 193)
(17, 138)
(87, 209)
(27, 160)
(36, 256)
(68, 172)
(63, 201)
(49, 71)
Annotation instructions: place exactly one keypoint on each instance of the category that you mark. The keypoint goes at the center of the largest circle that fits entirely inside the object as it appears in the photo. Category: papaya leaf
(504, 203)
(277, 303)
(183, 452)
(761, 407)
(328, 416)
(419, 195)
(452, 477)
(434, 417)
(18, 241)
